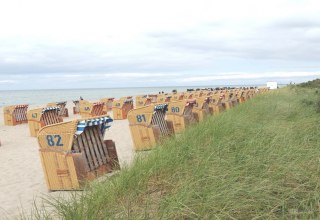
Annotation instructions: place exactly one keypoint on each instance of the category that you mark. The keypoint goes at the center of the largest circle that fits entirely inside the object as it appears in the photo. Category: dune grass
(259, 160)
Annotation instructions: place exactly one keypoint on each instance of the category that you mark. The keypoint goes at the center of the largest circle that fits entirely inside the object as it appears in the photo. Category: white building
(272, 85)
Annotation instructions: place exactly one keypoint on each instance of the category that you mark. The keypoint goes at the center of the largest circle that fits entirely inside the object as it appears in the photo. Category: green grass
(259, 160)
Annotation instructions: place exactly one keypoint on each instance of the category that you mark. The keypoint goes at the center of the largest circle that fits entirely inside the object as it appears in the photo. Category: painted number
(175, 109)
(54, 140)
(118, 104)
(34, 115)
(87, 108)
(141, 118)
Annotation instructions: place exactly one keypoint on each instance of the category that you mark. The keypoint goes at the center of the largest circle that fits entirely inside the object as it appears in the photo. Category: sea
(37, 97)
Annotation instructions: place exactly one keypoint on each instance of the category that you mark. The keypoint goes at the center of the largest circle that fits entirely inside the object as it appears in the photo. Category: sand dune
(22, 180)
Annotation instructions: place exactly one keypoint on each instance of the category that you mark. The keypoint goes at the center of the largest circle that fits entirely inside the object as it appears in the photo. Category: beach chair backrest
(97, 109)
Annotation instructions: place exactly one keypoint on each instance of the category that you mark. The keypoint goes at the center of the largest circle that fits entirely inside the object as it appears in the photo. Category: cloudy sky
(75, 44)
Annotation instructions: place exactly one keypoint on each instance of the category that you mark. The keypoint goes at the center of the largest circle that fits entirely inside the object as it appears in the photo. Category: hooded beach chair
(180, 114)
(75, 152)
(143, 101)
(187, 95)
(89, 109)
(177, 96)
(121, 107)
(63, 109)
(40, 117)
(148, 125)
(201, 108)
(215, 104)
(163, 98)
(15, 114)
(107, 104)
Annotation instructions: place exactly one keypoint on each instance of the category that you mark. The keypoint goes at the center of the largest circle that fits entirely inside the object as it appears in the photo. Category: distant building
(272, 85)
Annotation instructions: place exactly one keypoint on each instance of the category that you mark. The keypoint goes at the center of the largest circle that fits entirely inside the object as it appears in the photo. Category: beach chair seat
(88, 109)
(15, 114)
(63, 109)
(180, 114)
(121, 107)
(40, 117)
(76, 107)
(107, 104)
(148, 125)
(75, 152)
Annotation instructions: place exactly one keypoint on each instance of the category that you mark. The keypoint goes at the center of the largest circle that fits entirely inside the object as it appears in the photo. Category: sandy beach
(22, 180)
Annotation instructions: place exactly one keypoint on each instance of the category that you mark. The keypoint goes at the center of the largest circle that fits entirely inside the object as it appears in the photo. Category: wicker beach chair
(215, 104)
(201, 108)
(180, 114)
(177, 96)
(121, 107)
(107, 104)
(15, 114)
(148, 125)
(75, 152)
(89, 109)
(40, 117)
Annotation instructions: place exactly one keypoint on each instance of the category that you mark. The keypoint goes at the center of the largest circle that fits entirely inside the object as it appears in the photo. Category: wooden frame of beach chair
(40, 117)
(15, 114)
(89, 109)
(201, 108)
(121, 107)
(76, 107)
(75, 152)
(63, 109)
(107, 104)
(180, 114)
(148, 125)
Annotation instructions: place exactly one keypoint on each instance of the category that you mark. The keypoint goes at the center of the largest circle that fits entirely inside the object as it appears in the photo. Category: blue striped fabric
(105, 123)
(163, 107)
(50, 108)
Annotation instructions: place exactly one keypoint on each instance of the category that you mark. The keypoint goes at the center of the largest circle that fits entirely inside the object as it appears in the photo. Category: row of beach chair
(156, 117)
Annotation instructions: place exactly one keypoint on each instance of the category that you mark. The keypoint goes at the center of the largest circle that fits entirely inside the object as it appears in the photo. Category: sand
(21, 176)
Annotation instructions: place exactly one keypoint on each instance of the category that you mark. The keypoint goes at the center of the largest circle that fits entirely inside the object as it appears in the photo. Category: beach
(22, 180)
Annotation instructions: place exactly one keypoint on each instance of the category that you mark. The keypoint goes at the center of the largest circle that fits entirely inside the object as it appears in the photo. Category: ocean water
(37, 97)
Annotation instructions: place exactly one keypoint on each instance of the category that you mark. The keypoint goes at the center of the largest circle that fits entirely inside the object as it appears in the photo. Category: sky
(147, 43)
